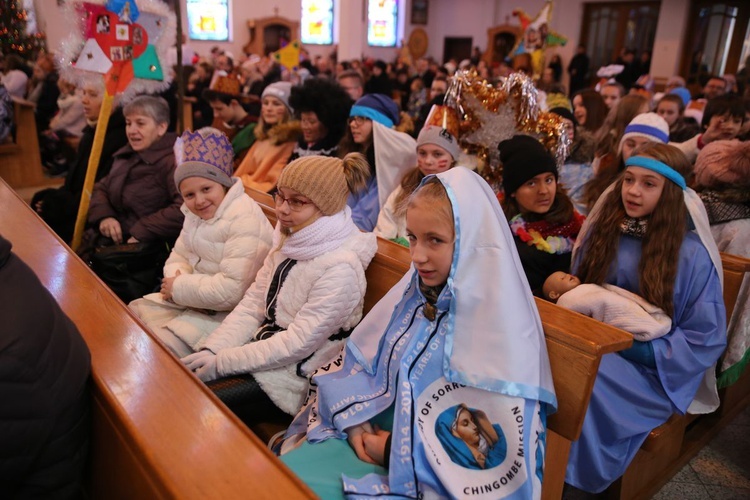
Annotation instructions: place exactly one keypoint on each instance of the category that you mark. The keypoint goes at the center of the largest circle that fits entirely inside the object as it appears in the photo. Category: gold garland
(491, 114)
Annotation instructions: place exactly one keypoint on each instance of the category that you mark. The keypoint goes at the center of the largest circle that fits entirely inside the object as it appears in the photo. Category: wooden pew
(158, 432)
(21, 161)
(673, 444)
(575, 344)
(188, 106)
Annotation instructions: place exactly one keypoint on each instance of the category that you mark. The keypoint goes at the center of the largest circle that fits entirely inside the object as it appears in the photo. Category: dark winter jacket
(59, 207)
(44, 370)
(141, 194)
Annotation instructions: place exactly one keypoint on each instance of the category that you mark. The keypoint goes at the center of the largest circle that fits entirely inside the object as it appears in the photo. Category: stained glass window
(208, 19)
(317, 22)
(382, 22)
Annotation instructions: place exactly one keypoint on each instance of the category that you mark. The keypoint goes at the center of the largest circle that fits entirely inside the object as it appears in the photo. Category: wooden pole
(180, 73)
(93, 166)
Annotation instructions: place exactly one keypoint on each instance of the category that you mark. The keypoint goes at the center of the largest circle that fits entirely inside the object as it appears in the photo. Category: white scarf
(322, 236)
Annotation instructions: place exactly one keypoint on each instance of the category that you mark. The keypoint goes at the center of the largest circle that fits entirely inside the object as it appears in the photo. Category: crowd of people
(424, 395)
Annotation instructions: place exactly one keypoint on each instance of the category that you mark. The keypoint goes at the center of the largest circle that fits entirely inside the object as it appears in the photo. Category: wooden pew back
(157, 431)
(20, 161)
(735, 269)
(575, 344)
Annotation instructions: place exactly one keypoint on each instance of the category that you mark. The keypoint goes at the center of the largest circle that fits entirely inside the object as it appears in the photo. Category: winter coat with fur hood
(319, 298)
(268, 156)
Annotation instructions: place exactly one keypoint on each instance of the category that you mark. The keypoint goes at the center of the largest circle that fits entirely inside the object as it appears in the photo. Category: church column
(351, 23)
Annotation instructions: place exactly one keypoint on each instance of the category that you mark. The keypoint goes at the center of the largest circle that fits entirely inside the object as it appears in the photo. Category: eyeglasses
(359, 120)
(294, 204)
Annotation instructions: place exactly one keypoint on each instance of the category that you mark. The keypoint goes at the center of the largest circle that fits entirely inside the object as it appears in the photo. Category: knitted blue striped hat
(649, 125)
(377, 107)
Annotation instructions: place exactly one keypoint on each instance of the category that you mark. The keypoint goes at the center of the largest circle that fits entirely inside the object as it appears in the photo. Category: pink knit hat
(723, 162)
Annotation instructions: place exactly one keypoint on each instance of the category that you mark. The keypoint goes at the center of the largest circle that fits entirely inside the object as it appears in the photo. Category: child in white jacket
(309, 294)
(224, 241)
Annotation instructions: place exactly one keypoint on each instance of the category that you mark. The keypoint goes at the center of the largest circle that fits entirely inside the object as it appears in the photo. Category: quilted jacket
(319, 297)
(219, 258)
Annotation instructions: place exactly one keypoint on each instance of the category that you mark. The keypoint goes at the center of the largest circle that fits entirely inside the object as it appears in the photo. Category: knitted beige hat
(319, 178)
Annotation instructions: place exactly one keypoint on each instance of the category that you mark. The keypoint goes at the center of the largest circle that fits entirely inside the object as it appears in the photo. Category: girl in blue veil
(649, 234)
(461, 328)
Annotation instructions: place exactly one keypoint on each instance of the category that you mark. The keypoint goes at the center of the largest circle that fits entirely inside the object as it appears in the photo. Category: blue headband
(371, 114)
(648, 130)
(658, 167)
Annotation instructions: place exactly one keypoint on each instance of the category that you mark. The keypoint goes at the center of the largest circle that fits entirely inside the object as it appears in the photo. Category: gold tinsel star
(494, 127)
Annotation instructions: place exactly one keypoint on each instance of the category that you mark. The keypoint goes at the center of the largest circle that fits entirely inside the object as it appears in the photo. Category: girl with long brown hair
(639, 237)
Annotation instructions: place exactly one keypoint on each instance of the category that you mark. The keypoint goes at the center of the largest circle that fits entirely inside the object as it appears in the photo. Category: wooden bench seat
(21, 161)
(157, 431)
(575, 344)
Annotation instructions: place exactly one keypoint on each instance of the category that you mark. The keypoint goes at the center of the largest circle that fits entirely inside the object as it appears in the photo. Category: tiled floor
(720, 471)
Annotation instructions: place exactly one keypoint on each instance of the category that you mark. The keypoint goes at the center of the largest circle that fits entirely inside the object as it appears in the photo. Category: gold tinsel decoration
(491, 114)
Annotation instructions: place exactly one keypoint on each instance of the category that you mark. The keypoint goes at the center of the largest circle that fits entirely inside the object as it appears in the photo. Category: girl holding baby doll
(639, 237)
(459, 391)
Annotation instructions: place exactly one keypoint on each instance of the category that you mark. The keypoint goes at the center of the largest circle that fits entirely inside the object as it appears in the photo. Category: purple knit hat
(204, 153)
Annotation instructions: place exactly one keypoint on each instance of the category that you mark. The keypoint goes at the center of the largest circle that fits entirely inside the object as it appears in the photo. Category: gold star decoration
(494, 128)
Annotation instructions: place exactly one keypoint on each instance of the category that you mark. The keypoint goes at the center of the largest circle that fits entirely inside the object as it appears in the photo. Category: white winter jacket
(320, 297)
(219, 258)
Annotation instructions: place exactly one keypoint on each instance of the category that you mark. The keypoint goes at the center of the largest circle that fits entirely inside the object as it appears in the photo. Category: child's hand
(356, 434)
(166, 286)
(374, 444)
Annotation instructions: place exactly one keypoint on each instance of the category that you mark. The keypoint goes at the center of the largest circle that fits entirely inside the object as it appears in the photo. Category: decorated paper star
(288, 56)
(537, 31)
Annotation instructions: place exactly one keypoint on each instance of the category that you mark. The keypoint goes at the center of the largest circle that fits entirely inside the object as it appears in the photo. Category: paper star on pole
(288, 56)
(535, 32)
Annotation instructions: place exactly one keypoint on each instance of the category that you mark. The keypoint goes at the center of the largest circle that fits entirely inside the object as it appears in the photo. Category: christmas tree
(14, 38)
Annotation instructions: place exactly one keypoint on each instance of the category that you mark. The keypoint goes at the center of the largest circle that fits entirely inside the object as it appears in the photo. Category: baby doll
(609, 304)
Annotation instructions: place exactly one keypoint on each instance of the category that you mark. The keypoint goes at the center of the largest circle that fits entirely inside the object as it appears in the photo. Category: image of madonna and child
(401, 410)
(305, 299)
(649, 234)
